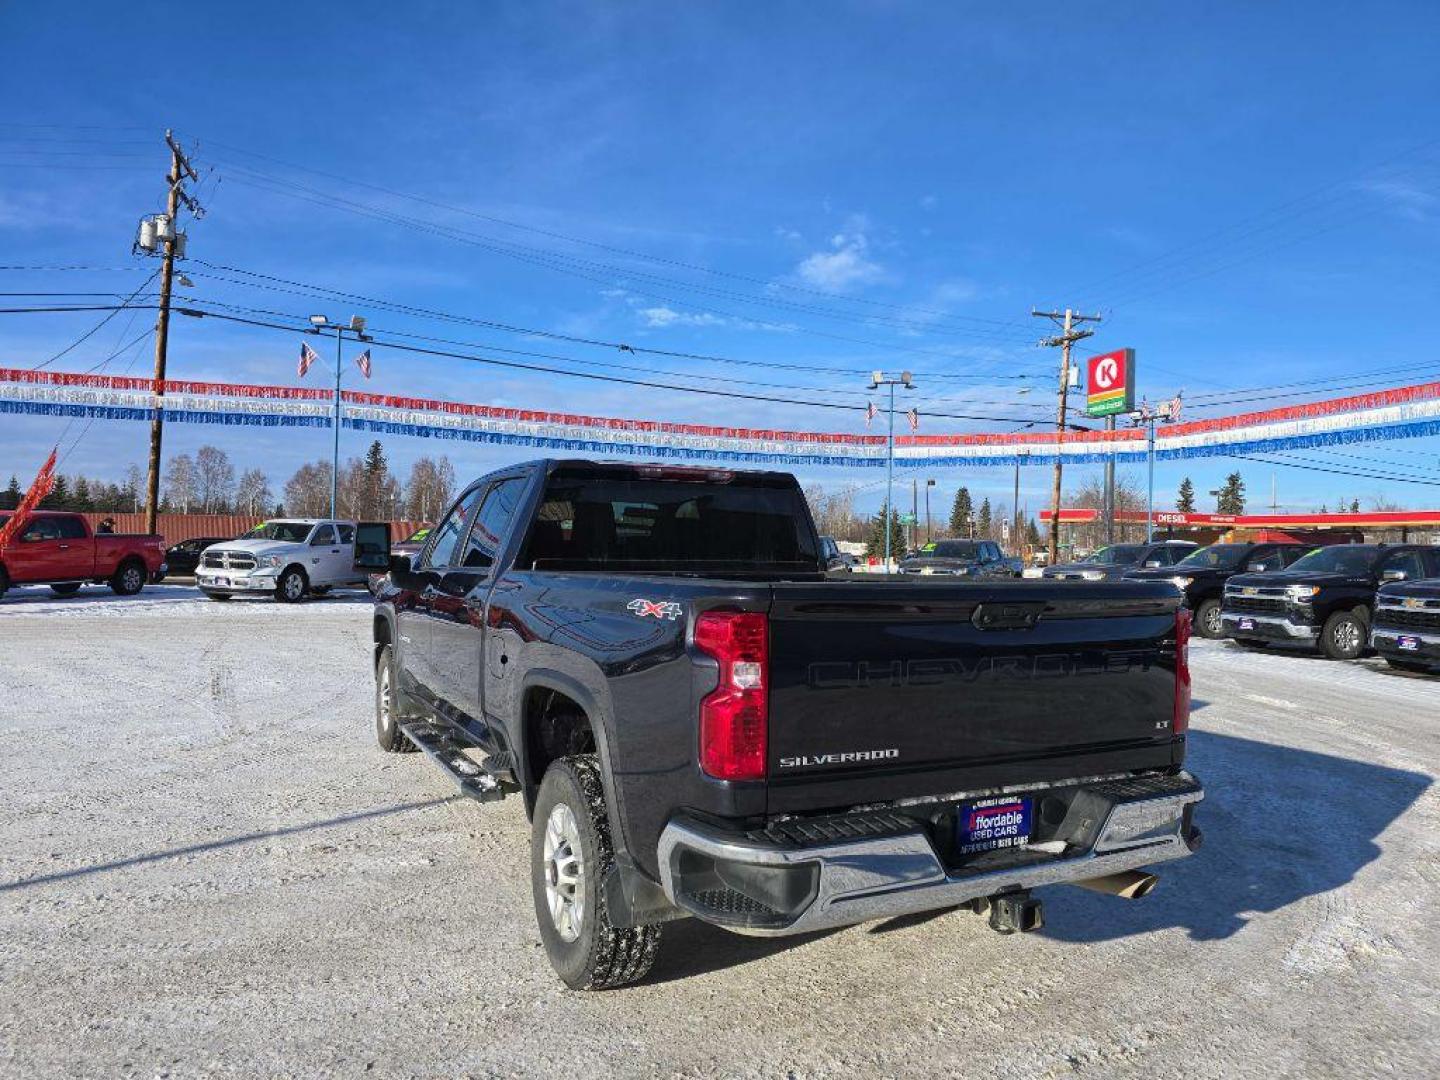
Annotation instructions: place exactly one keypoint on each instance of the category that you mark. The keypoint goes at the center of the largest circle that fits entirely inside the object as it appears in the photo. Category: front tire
(570, 855)
(387, 721)
(291, 585)
(128, 580)
(1344, 635)
(1207, 619)
(69, 588)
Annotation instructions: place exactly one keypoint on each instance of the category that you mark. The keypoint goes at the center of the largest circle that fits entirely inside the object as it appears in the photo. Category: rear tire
(387, 721)
(570, 855)
(1207, 620)
(1345, 635)
(69, 588)
(4, 582)
(129, 579)
(290, 587)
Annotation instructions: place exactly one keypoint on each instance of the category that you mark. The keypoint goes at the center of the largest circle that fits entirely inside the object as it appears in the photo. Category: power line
(94, 329)
(299, 288)
(648, 384)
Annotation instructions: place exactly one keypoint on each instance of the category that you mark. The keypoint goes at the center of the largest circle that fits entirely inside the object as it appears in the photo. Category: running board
(449, 753)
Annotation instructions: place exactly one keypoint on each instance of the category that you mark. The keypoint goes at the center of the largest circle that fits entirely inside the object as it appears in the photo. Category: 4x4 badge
(663, 609)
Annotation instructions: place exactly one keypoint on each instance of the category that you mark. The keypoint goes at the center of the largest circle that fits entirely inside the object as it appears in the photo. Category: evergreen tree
(1032, 534)
(1232, 495)
(81, 499)
(59, 497)
(984, 524)
(1324, 508)
(961, 512)
(875, 540)
(1185, 499)
(1354, 506)
(11, 496)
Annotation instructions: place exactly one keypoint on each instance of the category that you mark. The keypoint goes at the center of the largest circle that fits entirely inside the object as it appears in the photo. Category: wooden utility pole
(1070, 332)
(170, 236)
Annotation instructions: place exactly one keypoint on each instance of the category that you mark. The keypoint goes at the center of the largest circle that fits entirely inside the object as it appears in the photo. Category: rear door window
(446, 538)
(492, 523)
(1265, 559)
(322, 536)
(71, 528)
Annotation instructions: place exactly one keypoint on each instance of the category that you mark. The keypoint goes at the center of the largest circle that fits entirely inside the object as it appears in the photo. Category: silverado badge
(663, 609)
(1414, 602)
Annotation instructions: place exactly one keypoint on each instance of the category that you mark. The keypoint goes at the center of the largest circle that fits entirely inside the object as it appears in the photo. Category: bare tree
(431, 487)
(1129, 500)
(215, 478)
(181, 483)
(252, 494)
(132, 488)
(307, 493)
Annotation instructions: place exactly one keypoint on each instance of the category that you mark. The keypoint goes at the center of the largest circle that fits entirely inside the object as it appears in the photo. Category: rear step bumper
(755, 885)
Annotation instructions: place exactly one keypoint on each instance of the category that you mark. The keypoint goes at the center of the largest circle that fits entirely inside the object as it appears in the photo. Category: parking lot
(207, 868)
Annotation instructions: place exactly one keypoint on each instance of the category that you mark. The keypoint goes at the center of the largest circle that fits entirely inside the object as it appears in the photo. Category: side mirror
(1394, 575)
(372, 547)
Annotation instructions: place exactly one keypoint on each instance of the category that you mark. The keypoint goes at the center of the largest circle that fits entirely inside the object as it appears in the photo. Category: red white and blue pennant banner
(1404, 412)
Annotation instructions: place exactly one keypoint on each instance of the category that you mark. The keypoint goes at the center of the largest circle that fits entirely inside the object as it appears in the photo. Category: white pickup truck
(288, 557)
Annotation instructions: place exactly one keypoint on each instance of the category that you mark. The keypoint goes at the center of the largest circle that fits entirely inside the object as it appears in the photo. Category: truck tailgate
(884, 690)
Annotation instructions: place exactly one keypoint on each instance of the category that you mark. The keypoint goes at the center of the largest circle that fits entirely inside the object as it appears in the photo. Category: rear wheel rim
(131, 580)
(385, 698)
(1347, 636)
(293, 587)
(564, 873)
(1212, 621)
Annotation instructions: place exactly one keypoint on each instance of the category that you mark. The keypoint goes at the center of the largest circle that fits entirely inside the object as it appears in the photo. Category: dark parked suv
(1406, 629)
(1324, 600)
(1201, 575)
(1112, 563)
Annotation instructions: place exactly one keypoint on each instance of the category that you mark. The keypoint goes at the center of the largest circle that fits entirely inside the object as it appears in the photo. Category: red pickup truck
(61, 551)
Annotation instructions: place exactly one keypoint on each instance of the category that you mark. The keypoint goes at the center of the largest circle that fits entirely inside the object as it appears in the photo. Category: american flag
(308, 356)
(913, 415)
(870, 412)
(363, 363)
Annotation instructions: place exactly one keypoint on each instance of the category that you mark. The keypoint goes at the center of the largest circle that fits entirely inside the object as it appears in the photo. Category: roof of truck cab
(660, 469)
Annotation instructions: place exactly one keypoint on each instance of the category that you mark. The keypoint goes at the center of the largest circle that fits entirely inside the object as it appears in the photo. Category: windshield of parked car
(289, 532)
(954, 549)
(1116, 555)
(417, 537)
(1342, 559)
(671, 524)
(1217, 557)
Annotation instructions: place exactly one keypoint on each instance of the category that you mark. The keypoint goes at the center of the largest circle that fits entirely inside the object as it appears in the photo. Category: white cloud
(665, 316)
(846, 265)
(1407, 199)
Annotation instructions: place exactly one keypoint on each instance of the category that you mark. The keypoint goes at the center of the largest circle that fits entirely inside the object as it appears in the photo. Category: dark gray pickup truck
(702, 723)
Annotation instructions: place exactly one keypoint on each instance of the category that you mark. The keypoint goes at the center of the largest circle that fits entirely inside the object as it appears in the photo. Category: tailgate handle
(1006, 616)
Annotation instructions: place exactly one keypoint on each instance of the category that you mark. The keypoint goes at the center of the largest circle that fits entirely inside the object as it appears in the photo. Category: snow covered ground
(206, 868)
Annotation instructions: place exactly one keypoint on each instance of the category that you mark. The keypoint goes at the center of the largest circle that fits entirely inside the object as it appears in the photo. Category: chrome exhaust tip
(1130, 884)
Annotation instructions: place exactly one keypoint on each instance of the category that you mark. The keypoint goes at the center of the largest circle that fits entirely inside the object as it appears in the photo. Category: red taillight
(734, 717)
(1181, 720)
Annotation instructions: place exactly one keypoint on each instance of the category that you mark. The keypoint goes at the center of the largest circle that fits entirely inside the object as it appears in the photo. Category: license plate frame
(992, 824)
(1247, 624)
(1408, 642)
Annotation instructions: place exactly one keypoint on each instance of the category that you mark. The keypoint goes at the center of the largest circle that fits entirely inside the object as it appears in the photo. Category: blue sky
(1247, 192)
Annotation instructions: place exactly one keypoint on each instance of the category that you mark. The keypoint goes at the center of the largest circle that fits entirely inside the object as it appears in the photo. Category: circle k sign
(1110, 383)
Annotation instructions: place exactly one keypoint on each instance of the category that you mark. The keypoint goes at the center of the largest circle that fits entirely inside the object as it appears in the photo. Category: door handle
(64, 547)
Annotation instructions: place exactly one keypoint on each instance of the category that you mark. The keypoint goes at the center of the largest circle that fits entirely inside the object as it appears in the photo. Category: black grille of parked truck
(1405, 628)
(1324, 600)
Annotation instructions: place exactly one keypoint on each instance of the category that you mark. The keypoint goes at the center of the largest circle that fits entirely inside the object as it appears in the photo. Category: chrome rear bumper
(757, 887)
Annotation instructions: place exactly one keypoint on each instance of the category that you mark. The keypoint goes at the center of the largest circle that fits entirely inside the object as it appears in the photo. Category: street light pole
(356, 326)
(877, 380)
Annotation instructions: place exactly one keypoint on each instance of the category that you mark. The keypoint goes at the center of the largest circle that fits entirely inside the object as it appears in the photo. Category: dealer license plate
(1408, 642)
(222, 581)
(1247, 624)
(994, 823)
